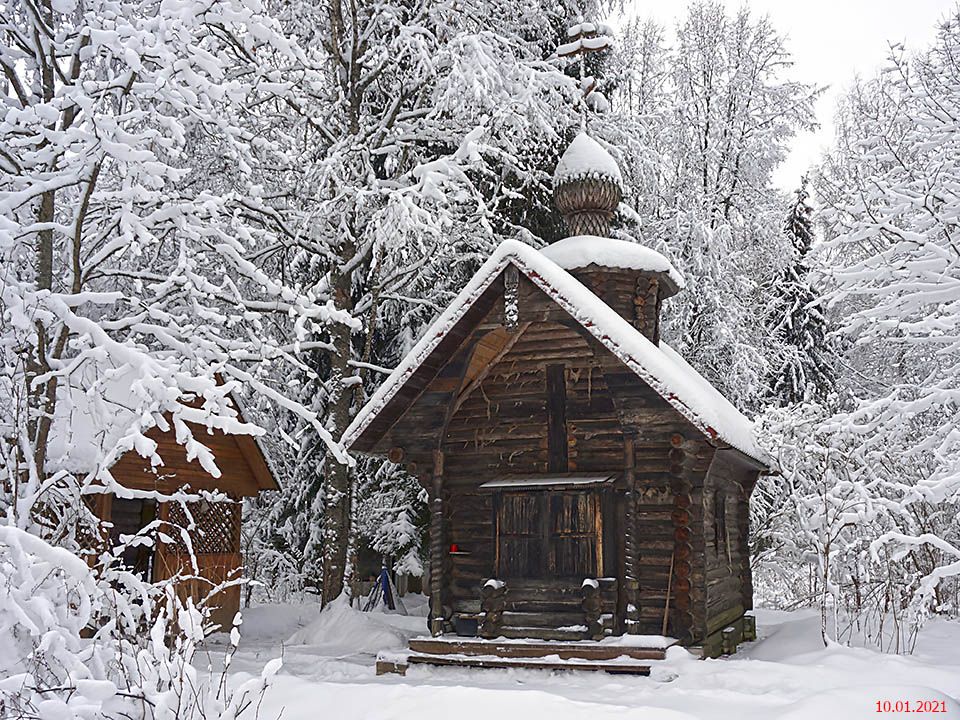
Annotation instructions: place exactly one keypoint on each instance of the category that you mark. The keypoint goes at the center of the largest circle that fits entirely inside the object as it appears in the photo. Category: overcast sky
(831, 40)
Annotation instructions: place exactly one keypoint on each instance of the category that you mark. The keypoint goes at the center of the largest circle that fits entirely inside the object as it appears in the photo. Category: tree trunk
(43, 397)
(337, 511)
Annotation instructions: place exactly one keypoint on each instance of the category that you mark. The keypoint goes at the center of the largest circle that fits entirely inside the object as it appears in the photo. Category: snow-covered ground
(328, 672)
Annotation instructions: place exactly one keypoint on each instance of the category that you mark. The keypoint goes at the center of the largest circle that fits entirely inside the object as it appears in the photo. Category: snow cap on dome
(586, 158)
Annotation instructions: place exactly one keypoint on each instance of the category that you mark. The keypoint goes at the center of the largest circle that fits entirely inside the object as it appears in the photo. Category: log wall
(503, 428)
(634, 295)
(729, 586)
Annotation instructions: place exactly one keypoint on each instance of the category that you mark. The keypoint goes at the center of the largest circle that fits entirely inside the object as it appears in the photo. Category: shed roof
(657, 365)
(91, 432)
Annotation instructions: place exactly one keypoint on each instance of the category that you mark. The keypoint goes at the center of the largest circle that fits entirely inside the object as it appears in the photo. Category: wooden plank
(385, 667)
(437, 546)
(564, 651)
(479, 375)
(620, 668)
(539, 633)
(541, 618)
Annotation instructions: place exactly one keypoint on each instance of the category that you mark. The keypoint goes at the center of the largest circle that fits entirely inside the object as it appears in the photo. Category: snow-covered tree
(420, 144)
(892, 245)
(797, 320)
(702, 121)
(132, 228)
(130, 223)
(392, 516)
(871, 474)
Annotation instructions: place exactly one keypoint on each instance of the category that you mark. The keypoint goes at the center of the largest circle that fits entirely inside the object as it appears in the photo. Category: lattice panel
(217, 526)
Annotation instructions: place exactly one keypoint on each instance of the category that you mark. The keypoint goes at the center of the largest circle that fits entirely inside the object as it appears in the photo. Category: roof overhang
(554, 481)
(253, 451)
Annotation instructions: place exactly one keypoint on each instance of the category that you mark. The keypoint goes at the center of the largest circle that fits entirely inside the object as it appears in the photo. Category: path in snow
(328, 672)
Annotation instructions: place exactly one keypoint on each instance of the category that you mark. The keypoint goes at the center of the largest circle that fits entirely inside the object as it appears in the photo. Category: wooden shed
(585, 481)
(81, 431)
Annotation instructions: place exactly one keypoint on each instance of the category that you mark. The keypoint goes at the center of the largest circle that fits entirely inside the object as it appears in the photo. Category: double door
(549, 534)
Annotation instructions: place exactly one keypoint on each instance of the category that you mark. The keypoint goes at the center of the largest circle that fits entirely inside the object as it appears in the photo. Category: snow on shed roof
(105, 411)
(659, 366)
(586, 158)
(87, 428)
(582, 250)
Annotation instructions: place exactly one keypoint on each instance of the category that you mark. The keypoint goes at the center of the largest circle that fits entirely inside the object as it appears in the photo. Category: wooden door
(549, 534)
(520, 546)
(128, 516)
(575, 534)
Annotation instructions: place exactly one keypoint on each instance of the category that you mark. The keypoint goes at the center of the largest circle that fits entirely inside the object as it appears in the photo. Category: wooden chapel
(585, 482)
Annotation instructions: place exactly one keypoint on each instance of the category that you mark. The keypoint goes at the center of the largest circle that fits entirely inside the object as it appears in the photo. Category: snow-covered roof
(87, 427)
(581, 250)
(585, 28)
(104, 412)
(586, 158)
(657, 365)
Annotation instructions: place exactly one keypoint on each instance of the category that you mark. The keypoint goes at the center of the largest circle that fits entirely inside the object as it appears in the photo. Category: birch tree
(703, 119)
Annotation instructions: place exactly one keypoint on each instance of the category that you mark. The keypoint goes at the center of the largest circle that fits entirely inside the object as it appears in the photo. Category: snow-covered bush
(842, 529)
(85, 645)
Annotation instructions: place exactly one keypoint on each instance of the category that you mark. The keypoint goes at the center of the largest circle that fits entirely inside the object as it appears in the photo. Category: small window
(719, 519)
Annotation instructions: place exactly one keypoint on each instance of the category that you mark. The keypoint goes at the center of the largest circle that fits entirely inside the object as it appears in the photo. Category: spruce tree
(797, 321)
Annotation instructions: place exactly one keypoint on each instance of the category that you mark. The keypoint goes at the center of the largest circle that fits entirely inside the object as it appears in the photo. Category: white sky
(831, 41)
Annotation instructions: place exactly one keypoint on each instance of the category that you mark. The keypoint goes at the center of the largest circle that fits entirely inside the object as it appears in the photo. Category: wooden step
(620, 667)
(534, 591)
(541, 619)
(584, 650)
(541, 633)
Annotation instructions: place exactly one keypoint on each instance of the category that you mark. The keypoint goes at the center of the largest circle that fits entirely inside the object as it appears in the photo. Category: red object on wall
(454, 548)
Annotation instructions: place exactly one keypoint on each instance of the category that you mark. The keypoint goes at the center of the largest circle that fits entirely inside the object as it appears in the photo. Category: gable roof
(657, 365)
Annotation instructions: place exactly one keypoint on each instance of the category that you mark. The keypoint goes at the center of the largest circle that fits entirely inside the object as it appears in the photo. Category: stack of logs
(646, 310)
(492, 604)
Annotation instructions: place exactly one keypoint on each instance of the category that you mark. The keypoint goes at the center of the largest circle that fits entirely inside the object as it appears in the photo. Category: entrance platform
(627, 654)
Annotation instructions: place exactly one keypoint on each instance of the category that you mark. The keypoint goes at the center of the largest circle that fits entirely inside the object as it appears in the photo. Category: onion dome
(587, 187)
